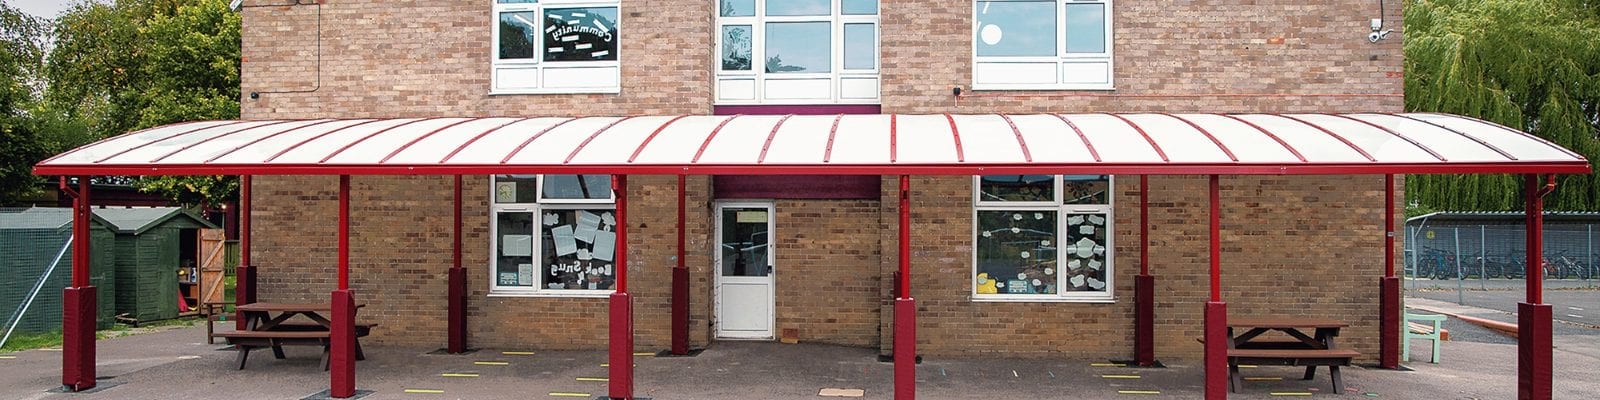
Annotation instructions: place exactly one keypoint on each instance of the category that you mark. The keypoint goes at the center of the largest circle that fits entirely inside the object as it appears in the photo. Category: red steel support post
(1144, 287)
(621, 354)
(905, 307)
(78, 302)
(1388, 287)
(1216, 313)
(244, 289)
(341, 346)
(457, 318)
(1534, 348)
(680, 283)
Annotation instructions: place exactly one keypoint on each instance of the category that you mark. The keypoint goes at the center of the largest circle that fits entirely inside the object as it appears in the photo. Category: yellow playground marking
(568, 394)
(644, 354)
(1107, 365)
(1291, 393)
(586, 379)
(1263, 378)
(609, 364)
(517, 353)
(1247, 366)
(491, 363)
(1139, 392)
(453, 375)
(425, 391)
(8, 357)
(1120, 376)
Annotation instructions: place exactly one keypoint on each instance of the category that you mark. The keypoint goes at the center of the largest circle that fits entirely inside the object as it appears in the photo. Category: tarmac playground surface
(177, 364)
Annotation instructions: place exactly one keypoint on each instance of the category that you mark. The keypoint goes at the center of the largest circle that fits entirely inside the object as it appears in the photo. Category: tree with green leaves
(1532, 65)
(21, 52)
(134, 64)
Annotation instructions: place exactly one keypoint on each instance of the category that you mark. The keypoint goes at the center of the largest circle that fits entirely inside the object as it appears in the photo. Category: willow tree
(1527, 64)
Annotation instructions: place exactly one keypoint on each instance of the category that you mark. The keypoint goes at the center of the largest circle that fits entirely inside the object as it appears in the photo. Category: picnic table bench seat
(1309, 358)
(288, 334)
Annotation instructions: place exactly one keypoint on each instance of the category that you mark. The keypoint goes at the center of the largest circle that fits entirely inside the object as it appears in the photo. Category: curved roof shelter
(1245, 144)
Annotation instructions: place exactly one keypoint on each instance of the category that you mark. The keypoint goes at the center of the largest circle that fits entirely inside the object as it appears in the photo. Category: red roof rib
(215, 137)
(763, 157)
(827, 154)
(893, 141)
(425, 136)
(273, 135)
(98, 142)
(956, 133)
(525, 143)
(1346, 142)
(596, 134)
(652, 136)
(347, 146)
(1020, 141)
(1524, 134)
(1503, 153)
(1269, 134)
(140, 146)
(713, 135)
(1382, 128)
(474, 139)
(1203, 131)
(1081, 136)
(313, 138)
(1147, 137)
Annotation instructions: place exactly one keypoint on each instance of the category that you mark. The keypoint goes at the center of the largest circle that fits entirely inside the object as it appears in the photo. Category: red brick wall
(1291, 243)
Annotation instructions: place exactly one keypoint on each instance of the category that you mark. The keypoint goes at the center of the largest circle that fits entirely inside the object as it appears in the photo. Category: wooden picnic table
(267, 325)
(1311, 351)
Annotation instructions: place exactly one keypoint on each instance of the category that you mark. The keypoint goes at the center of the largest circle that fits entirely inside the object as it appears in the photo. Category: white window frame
(757, 73)
(537, 209)
(1062, 210)
(537, 63)
(1062, 59)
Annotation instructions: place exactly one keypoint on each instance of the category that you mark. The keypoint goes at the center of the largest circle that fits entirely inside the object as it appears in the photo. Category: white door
(744, 264)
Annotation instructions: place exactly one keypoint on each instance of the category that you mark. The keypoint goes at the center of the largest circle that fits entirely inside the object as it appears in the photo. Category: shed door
(211, 263)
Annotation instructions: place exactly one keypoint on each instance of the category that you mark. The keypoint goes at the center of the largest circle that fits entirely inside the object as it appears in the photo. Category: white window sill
(556, 91)
(1042, 299)
(1027, 86)
(573, 294)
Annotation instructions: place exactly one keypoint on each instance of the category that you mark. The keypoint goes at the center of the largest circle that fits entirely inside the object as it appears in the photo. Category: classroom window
(556, 46)
(1041, 44)
(1042, 237)
(797, 52)
(553, 234)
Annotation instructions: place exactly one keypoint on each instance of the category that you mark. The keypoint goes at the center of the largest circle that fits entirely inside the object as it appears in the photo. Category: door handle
(769, 270)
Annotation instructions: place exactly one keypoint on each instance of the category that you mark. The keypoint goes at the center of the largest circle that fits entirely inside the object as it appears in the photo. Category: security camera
(1375, 36)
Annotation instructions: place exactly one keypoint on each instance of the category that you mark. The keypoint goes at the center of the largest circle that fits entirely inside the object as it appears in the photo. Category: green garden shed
(152, 246)
(30, 240)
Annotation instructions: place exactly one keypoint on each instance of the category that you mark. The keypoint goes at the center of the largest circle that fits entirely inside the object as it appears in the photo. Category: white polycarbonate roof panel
(824, 144)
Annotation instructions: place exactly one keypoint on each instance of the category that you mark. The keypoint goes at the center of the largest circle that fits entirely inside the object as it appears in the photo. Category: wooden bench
(1309, 358)
(291, 335)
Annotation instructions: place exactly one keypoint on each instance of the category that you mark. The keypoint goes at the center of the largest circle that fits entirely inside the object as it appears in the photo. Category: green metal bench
(1423, 326)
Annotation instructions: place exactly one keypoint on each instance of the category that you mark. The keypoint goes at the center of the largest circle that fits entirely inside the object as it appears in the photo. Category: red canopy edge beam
(680, 281)
(591, 137)
(1530, 136)
(1208, 134)
(1534, 345)
(231, 133)
(456, 324)
(79, 304)
(620, 385)
(774, 134)
(1269, 134)
(353, 143)
(475, 139)
(955, 133)
(1341, 138)
(1146, 136)
(1386, 130)
(1389, 286)
(273, 135)
(1144, 286)
(1496, 149)
(905, 307)
(1513, 167)
(341, 343)
(1216, 310)
(297, 145)
(1085, 138)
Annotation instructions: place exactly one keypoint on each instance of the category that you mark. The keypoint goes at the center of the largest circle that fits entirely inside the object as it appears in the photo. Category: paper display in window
(516, 245)
(508, 279)
(588, 224)
(525, 274)
(604, 245)
(565, 243)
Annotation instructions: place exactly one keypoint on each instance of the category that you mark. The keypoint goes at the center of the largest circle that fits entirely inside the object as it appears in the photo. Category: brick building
(1289, 241)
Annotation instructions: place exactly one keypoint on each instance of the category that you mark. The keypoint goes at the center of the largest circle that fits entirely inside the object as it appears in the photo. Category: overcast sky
(41, 8)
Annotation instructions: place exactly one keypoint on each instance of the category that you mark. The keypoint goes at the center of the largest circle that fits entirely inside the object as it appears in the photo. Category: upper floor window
(1041, 44)
(797, 52)
(556, 46)
(1042, 238)
(552, 234)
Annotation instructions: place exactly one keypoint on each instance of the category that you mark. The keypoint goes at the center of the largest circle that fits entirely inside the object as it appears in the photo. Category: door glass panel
(745, 241)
